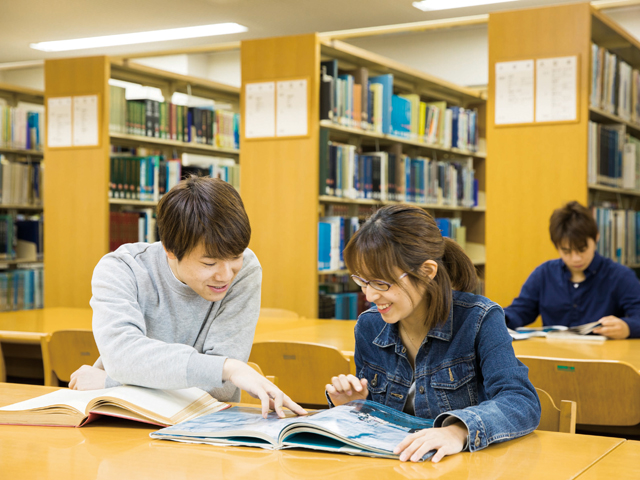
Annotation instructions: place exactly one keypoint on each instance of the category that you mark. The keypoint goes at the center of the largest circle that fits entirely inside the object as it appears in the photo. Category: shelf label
(292, 109)
(514, 92)
(59, 122)
(85, 121)
(557, 89)
(260, 110)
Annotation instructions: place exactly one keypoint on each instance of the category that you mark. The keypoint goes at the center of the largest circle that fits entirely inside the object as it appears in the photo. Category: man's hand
(88, 378)
(247, 379)
(613, 327)
(345, 388)
(446, 440)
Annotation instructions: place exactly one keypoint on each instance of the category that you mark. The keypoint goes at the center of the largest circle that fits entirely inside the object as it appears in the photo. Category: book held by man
(361, 427)
(559, 332)
(74, 408)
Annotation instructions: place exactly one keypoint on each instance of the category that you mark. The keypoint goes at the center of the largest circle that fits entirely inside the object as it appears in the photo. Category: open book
(361, 427)
(559, 332)
(73, 408)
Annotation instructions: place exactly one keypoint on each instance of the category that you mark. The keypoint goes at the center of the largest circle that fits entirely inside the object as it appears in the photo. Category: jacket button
(404, 350)
(421, 389)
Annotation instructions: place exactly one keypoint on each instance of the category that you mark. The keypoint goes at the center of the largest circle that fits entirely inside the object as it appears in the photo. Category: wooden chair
(303, 369)
(245, 397)
(554, 419)
(3, 371)
(65, 351)
(606, 392)
(277, 313)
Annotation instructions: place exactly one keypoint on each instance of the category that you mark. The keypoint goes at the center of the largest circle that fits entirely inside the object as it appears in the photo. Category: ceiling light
(140, 37)
(428, 5)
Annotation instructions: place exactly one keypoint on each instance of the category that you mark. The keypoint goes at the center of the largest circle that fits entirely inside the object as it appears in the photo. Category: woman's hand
(445, 440)
(88, 378)
(345, 388)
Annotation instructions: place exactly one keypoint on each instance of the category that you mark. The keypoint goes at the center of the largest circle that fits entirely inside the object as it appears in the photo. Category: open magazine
(361, 427)
(559, 332)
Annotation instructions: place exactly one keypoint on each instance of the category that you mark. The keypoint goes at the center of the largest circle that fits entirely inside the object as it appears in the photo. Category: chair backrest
(65, 351)
(245, 397)
(606, 392)
(3, 371)
(277, 313)
(554, 419)
(302, 369)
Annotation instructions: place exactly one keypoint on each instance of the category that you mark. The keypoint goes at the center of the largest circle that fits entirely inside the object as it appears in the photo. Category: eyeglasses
(379, 285)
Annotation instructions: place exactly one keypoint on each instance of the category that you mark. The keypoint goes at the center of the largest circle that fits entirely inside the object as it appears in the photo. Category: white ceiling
(28, 21)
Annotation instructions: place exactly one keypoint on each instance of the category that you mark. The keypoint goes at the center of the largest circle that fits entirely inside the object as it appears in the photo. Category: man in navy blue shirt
(580, 287)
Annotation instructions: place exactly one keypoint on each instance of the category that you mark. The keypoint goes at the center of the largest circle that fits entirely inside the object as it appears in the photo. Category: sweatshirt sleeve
(231, 333)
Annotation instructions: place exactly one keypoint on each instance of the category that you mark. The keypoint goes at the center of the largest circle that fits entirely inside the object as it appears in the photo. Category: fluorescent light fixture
(140, 37)
(429, 5)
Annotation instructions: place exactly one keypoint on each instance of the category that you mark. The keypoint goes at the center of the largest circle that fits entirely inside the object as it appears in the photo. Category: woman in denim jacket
(427, 347)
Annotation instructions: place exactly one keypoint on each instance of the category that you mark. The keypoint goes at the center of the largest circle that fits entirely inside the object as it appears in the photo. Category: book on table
(361, 427)
(74, 408)
(559, 332)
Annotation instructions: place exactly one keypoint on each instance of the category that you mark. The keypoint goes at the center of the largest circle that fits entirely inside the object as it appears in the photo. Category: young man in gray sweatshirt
(182, 312)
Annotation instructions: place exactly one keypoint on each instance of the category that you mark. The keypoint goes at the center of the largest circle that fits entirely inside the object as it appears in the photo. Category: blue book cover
(353, 305)
(400, 117)
(387, 84)
(340, 307)
(361, 427)
(324, 246)
(445, 226)
(455, 120)
(368, 177)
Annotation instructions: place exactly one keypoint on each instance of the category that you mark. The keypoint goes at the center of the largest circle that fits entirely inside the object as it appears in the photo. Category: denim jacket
(465, 369)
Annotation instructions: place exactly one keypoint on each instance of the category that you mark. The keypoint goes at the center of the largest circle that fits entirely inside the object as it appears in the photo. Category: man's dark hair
(573, 223)
(203, 210)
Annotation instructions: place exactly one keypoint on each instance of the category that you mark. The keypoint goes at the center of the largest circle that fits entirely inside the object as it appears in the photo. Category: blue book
(444, 225)
(455, 121)
(353, 305)
(340, 307)
(387, 84)
(400, 117)
(324, 246)
(361, 427)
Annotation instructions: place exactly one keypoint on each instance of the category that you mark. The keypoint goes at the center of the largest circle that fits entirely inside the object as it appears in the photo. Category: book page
(73, 398)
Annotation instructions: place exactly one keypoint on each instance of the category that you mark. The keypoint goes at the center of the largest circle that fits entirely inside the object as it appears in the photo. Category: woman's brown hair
(207, 210)
(405, 237)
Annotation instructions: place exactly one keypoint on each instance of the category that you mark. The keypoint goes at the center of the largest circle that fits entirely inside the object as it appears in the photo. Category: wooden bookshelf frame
(76, 197)
(286, 171)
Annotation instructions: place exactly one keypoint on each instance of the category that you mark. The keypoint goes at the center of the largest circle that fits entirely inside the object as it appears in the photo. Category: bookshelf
(281, 175)
(77, 194)
(552, 159)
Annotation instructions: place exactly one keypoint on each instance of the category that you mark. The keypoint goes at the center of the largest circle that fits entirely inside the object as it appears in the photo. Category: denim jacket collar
(389, 335)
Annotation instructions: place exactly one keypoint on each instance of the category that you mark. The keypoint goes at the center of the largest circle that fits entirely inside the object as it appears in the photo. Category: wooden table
(621, 350)
(113, 448)
(621, 463)
(21, 332)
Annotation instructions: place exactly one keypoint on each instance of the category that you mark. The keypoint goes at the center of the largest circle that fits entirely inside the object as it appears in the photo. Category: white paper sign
(557, 89)
(292, 118)
(85, 121)
(59, 122)
(514, 92)
(260, 110)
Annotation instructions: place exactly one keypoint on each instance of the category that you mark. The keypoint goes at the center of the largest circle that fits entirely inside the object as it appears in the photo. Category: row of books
(352, 98)
(149, 178)
(22, 289)
(20, 229)
(168, 121)
(132, 227)
(385, 176)
(614, 85)
(342, 306)
(613, 157)
(453, 228)
(619, 234)
(21, 127)
(333, 235)
(20, 182)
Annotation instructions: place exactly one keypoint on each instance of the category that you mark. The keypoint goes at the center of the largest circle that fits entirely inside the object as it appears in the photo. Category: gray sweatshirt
(154, 331)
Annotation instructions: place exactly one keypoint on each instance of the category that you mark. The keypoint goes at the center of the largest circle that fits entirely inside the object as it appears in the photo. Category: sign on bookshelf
(557, 89)
(260, 110)
(85, 121)
(514, 92)
(59, 122)
(292, 110)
